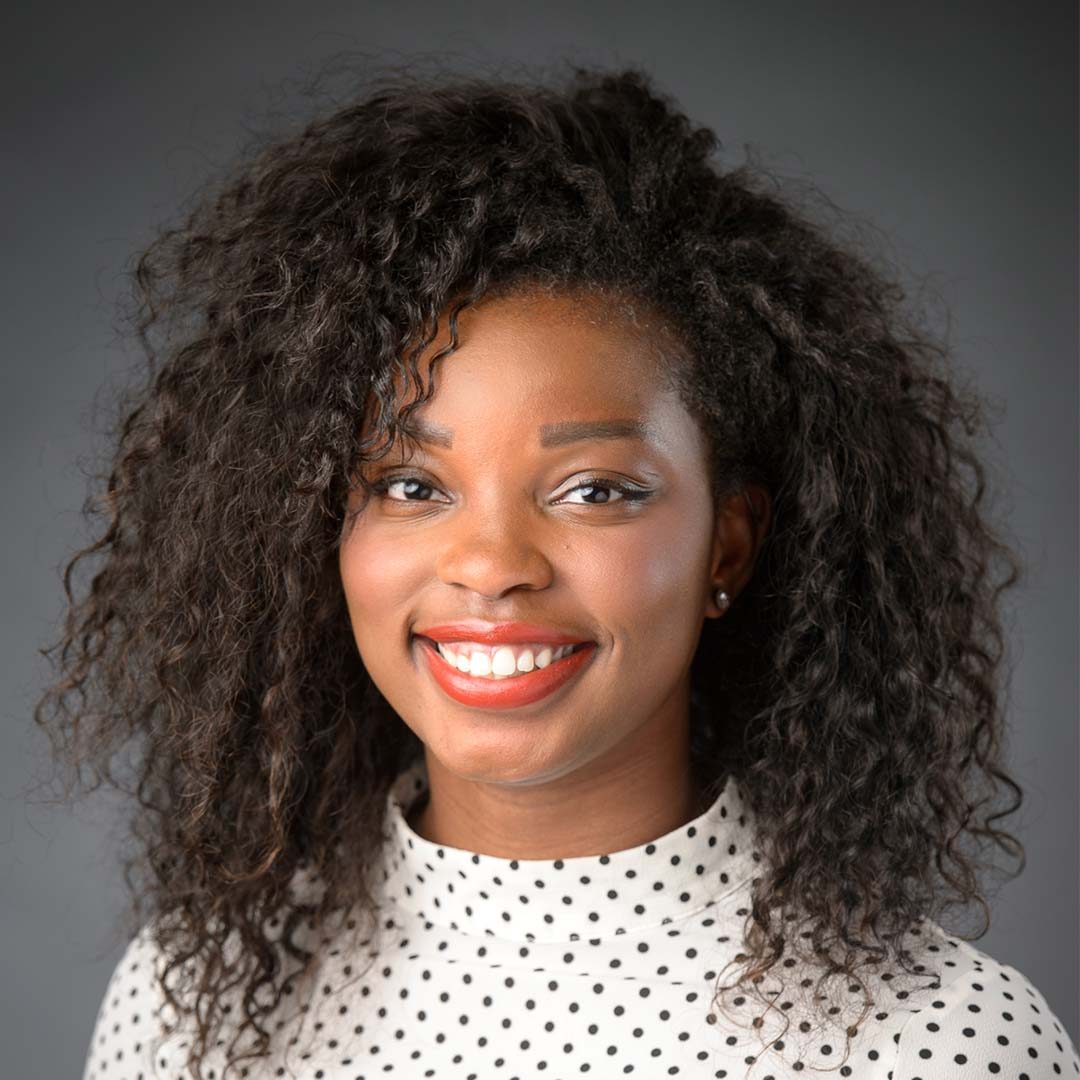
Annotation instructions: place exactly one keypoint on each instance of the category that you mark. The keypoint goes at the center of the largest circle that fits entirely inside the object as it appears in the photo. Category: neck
(641, 789)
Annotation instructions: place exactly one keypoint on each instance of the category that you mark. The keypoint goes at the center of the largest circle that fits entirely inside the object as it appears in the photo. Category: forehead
(538, 371)
(540, 350)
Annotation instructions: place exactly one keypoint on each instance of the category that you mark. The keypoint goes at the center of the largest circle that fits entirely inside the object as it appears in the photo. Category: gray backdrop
(952, 127)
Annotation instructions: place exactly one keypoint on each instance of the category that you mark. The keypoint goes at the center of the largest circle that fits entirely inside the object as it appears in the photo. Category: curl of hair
(855, 685)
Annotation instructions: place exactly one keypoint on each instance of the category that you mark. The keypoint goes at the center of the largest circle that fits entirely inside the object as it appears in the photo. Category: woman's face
(511, 512)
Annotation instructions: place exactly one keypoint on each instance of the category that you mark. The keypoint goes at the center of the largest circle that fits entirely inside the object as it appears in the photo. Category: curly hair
(856, 684)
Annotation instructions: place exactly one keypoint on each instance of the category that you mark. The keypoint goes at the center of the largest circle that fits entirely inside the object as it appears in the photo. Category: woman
(545, 587)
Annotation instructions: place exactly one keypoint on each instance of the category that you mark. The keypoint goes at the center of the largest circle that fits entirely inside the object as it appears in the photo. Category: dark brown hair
(855, 685)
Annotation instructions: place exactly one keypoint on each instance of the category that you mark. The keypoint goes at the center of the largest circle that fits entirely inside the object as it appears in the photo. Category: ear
(742, 523)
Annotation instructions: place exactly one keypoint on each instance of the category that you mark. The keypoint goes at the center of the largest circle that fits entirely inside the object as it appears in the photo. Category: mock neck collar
(586, 896)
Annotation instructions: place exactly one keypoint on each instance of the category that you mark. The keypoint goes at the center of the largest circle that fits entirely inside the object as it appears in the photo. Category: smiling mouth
(491, 691)
(500, 662)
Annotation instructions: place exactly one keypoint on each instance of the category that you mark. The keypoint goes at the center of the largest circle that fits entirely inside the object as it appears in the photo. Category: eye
(411, 485)
(413, 489)
(626, 493)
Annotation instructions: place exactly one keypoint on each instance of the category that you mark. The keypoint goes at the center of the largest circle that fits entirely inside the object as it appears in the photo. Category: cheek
(647, 582)
(377, 576)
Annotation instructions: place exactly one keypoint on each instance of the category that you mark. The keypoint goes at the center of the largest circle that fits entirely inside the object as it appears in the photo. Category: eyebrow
(559, 434)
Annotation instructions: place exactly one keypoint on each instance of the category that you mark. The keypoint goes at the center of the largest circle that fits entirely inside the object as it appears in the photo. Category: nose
(492, 553)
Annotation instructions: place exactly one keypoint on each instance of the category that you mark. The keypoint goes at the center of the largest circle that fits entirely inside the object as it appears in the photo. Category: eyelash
(627, 493)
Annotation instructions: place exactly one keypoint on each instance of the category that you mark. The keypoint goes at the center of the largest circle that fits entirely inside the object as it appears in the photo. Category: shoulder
(138, 1031)
(988, 1020)
(128, 1024)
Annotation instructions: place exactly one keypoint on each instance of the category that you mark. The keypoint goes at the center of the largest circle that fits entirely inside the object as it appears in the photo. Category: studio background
(950, 128)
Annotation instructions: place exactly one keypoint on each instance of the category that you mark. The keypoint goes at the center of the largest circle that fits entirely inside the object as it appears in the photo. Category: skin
(500, 528)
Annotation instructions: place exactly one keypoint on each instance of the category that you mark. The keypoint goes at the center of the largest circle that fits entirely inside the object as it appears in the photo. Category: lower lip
(508, 693)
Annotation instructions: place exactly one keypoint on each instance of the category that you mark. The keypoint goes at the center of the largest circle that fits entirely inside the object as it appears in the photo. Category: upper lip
(486, 633)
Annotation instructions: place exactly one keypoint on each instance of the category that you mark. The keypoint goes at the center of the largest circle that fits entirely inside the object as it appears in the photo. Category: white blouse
(486, 968)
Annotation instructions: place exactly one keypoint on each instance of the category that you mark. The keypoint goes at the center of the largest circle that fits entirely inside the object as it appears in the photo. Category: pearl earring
(723, 601)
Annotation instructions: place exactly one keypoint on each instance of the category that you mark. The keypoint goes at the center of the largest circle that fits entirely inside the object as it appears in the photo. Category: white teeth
(500, 662)
(503, 662)
(479, 664)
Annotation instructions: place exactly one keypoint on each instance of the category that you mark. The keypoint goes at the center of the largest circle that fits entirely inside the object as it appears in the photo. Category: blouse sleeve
(990, 1023)
(122, 1043)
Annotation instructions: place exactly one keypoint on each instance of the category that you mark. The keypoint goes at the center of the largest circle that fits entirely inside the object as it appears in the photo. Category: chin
(497, 757)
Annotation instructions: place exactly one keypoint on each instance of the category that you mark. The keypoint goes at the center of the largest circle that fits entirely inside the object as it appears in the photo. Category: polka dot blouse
(605, 965)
